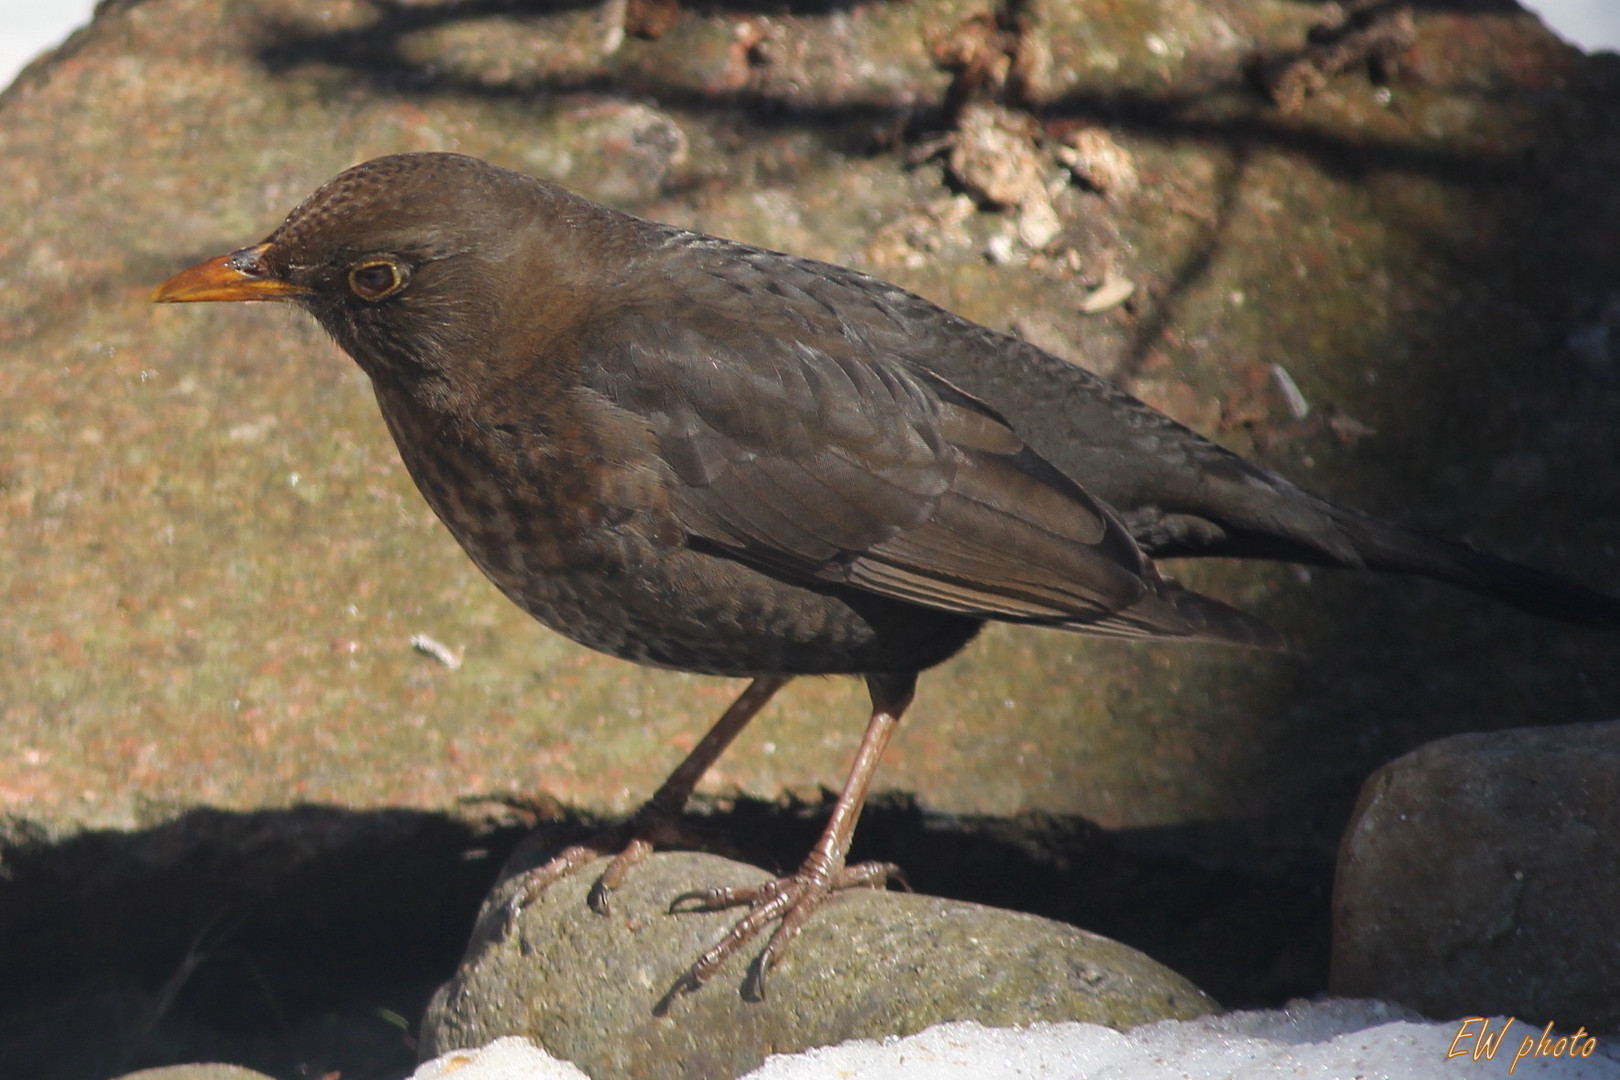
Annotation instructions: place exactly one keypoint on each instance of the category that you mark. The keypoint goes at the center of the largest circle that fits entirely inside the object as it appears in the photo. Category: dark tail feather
(1383, 546)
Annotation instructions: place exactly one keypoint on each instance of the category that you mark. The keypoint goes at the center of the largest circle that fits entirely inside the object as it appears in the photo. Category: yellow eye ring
(376, 279)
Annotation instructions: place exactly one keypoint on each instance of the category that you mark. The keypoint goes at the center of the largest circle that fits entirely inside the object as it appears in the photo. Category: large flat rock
(216, 564)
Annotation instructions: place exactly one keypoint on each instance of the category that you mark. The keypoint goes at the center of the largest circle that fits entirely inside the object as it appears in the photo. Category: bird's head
(423, 267)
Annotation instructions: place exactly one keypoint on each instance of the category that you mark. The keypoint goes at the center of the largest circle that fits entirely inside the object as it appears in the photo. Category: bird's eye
(376, 279)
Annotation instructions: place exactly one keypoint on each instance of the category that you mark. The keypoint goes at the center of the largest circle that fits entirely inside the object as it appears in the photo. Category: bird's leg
(793, 899)
(658, 819)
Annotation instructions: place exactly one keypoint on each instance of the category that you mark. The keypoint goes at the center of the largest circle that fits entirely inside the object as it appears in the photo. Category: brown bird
(701, 455)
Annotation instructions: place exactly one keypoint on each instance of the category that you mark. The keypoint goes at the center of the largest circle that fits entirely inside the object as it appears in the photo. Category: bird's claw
(628, 844)
(791, 899)
(720, 897)
(532, 883)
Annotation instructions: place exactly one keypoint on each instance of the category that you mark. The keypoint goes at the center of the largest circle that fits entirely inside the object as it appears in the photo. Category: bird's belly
(629, 585)
(684, 609)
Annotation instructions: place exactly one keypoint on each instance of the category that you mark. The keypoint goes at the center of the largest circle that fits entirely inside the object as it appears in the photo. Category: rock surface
(211, 1071)
(1478, 876)
(869, 964)
(216, 567)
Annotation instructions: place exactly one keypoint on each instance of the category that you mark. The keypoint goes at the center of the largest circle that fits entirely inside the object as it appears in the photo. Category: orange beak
(237, 276)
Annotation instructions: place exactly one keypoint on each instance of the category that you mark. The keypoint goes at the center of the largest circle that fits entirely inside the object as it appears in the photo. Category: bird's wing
(819, 461)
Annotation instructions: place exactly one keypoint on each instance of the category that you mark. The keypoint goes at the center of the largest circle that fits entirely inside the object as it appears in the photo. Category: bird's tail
(1383, 546)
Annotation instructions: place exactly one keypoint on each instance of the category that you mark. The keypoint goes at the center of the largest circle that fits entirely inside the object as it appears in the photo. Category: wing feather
(812, 455)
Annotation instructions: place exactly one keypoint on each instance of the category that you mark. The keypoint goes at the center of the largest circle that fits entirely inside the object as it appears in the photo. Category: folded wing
(810, 457)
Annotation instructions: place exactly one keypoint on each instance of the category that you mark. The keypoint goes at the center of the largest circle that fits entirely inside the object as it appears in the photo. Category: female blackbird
(701, 455)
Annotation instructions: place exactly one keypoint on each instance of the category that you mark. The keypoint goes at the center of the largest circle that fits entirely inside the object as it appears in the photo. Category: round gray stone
(208, 1071)
(866, 965)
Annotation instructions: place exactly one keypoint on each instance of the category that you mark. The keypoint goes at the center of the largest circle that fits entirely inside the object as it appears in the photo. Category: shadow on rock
(309, 940)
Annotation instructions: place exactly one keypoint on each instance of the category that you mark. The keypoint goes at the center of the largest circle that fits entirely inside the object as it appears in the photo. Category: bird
(696, 454)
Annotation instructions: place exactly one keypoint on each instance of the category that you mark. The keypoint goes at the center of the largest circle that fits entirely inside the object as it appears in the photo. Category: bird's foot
(791, 899)
(628, 844)
(658, 822)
